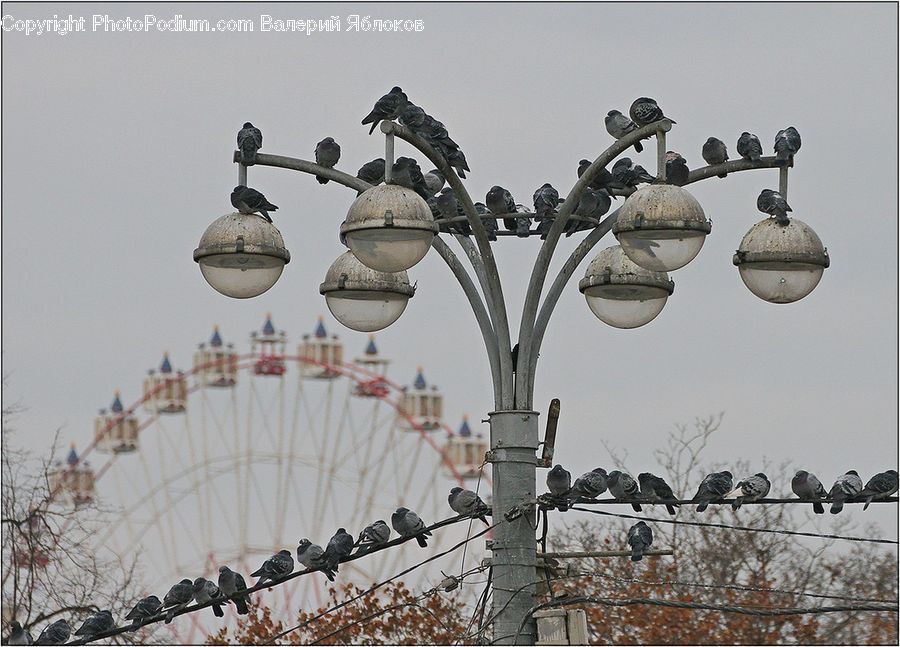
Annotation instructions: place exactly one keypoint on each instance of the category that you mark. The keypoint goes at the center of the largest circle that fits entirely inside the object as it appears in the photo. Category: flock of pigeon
(714, 487)
(230, 585)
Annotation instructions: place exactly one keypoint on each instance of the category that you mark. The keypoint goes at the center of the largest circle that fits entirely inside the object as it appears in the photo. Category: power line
(551, 501)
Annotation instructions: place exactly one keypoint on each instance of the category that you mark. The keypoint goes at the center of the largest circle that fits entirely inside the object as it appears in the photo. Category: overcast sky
(117, 155)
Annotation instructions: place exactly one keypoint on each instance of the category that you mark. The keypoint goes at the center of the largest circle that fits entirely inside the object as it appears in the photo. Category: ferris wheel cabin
(216, 364)
(165, 391)
(423, 406)
(319, 355)
(466, 451)
(377, 387)
(268, 349)
(115, 431)
(72, 481)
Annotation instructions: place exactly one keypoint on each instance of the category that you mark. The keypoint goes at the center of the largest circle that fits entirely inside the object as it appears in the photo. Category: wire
(548, 500)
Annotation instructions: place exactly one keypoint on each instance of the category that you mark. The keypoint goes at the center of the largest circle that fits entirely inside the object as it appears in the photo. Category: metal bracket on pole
(388, 156)
(546, 459)
(242, 175)
(661, 156)
(783, 181)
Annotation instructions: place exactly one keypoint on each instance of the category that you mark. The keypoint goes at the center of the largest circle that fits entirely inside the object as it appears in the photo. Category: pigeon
(655, 488)
(17, 635)
(677, 171)
(544, 226)
(247, 201)
(206, 591)
(406, 173)
(56, 633)
(339, 547)
(589, 485)
(559, 481)
(603, 179)
(752, 488)
(178, 597)
(276, 567)
(145, 608)
(623, 486)
(618, 125)
(774, 204)
(434, 180)
(387, 107)
(880, 486)
(748, 147)
(807, 486)
(844, 488)
(97, 623)
(628, 174)
(449, 207)
(231, 583)
(713, 486)
(500, 201)
(715, 152)
(546, 200)
(309, 554)
(328, 152)
(372, 172)
(639, 538)
(249, 140)
(490, 223)
(523, 224)
(375, 534)
(645, 111)
(787, 143)
(457, 160)
(413, 117)
(467, 502)
(407, 524)
(593, 203)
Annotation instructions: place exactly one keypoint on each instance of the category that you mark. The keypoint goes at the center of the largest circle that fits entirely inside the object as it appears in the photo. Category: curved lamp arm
(294, 164)
(472, 252)
(729, 167)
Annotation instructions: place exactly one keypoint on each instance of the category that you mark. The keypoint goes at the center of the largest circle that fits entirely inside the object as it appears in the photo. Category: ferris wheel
(244, 454)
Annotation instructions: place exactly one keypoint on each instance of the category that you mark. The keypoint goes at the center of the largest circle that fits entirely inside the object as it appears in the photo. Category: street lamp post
(660, 228)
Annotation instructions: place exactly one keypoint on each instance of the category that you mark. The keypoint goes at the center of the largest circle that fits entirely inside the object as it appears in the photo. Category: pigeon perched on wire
(618, 125)
(248, 201)
(489, 222)
(589, 485)
(628, 174)
(372, 172)
(546, 199)
(408, 524)
(677, 171)
(623, 486)
(655, 488)
(845, 487)
(328, 153)
(467, 502)
(231, 584)
(309, 554)
(144, 609)
(880, 486)
(56, 633)
(748, 147)
(645, 111)
(206, 591)
(713, 487)
(434, 180)
(406, 173)
(752, 488)
(715, 152)
(178, 597)
(249, 141)
(806, 486)
(339, 547)
(276, 567)
(774, 204)
(387, 107)
(787, 143)
(640, 537)
(559, 481)
(17, 635)
(97, 623)
(375, 534)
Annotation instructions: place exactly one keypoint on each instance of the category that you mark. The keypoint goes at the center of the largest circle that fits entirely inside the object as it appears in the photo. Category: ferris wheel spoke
(204, 512)
(289, 476)
(167, 547)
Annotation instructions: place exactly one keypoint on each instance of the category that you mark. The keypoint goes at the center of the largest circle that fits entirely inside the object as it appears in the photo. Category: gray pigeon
(640, 537)
(593, 203)
(544, 226)
(787, 143)
(97, 623)
(523, 223)
(249, 140)
(17, 635)
(546, 200)
(645, 111)
(626, 173)
(247, 201)
(406, 173)
(328, 152)
(387, 107)
(623, 486)
(413, 117)
(618, 125)
(206, 591)
(603, 179)
(774, 204)
(589, 485)
(457, 160)
(500, 201)
(677, 171)
(339, 547)
(434, 180)
(372, 172)
(490, 223)
(56, 633)
(559, 481)
(715, 152)
(748, 146)
(880, 486)
(845, 487)
(231, 583)
(145, 608)
(407, 524)
(467, 502)
(276, 567)
(309, 554)
(375, 534)
(655, 488)
(807, 486)
(713, 486)
(752, 488)
(178, 597)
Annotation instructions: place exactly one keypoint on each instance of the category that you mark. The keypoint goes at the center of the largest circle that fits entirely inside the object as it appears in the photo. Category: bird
(500, 201)
(339, 547)
(806, 486)
(249, 140)
(751, 488)
(372, 172)
(845, 487)
(56, 633)
(179, 596)
(457, 160)
(145, 608)
(589, 485)
(230, 584)
(603, 179)
(387, 107)
(645, 111)
(623, 486)
(628, 174)
(413, 117)
(328, 152)
(714, 152)
(618, 125)
(375, 534)
(407, 524)
(640, 537)
(17, 635)
(248, 201)
(206, 591)
(880, 486)
(434, 180)
(97, 623)
(655, 488)
(748, 146)
(406, 173)
(449, 207)
(677, 171)
(274, 568)
(546, 199)
(309, 554)
(593, 203)
(774, 204)
(713, 486)
(523, 223)
(467, 502)
(489, 222)
(787, 143)
(559, 481)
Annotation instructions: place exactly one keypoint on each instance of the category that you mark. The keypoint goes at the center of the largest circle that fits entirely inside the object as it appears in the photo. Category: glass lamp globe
(389, 228)
(621, 293)
(241, 255)
(661, 227)
(364, 299)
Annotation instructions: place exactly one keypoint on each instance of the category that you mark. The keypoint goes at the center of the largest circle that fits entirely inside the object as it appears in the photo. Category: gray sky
(117, 151)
